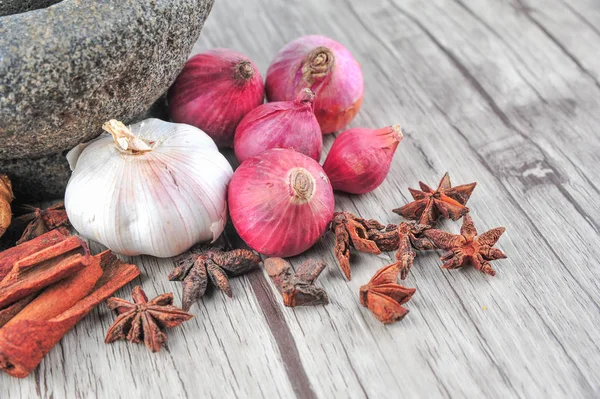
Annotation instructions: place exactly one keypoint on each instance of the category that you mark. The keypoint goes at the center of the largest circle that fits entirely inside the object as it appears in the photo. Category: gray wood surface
(502, 92)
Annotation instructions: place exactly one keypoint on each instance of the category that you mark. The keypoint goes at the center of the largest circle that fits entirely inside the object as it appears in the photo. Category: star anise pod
(201, 262)
(430, 205)
(41, 221)
(410, 237)
(384, 297)
(386, 239)
(468, 247)
(297, 288)
(144, 320)
(352, 231)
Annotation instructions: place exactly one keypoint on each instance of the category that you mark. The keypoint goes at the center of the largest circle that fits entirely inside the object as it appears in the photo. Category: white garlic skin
(157, 203)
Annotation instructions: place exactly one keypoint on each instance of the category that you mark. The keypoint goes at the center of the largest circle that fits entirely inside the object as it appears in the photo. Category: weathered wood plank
(503, 119)
(504, 93)
(205, 356)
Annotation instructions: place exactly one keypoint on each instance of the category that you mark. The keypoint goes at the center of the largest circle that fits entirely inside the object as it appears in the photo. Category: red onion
(328, 69)
(280, 202)
(360, 158)
(283, 124)
(214, 91)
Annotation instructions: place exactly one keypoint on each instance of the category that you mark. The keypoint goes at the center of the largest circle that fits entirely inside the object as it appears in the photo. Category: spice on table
(9, 258)
(27, 338)
(429, 205)
(11, 311)
(35, 271)
(11, 255)
(6, 197)
(41, 221)
(297, 288)
(468, 247)
(386, 239)
(143, 320)
(352, 231)
(384, 297)
(61, 296)
(410, 237)
(195, 266)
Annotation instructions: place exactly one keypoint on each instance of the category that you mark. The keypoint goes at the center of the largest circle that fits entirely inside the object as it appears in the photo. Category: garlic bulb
(154, 188)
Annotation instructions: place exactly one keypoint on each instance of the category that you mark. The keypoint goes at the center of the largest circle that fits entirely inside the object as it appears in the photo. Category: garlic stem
(126, 141)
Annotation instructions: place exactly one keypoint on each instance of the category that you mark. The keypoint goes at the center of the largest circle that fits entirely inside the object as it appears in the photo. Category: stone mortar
(67, 68)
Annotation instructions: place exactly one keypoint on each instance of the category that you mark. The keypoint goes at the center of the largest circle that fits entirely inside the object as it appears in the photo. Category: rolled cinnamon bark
(32, 273)
(25, 340)
(11, 255)
(11, 311)
(61, 296)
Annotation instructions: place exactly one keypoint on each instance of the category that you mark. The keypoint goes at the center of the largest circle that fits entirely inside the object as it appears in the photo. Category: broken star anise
(430, 205)
(144, 320)
(41, 221)
(297, 288)
(384, 297)
(352, 231)
(410, 237)
(468, 246)
(386, 239)
(195, 266)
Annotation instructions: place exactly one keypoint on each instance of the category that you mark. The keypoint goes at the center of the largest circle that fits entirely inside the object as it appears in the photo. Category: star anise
(144, 320)
(386, 239)
(352, 231)
(468, 246)
(195, 266)
(410, 237)
(430, 205)
(297, 288)
(384, 297)
(41, 221)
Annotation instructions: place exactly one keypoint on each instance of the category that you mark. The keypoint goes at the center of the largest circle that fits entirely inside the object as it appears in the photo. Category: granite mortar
(67, 68)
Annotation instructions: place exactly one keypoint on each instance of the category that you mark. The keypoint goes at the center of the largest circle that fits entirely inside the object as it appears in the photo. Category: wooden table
(505, 93)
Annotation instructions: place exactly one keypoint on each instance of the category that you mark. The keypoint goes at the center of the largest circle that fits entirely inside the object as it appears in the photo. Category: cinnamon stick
(61, 296)
(25, 341)
(11, 311)
(10, 256)
(40, 269)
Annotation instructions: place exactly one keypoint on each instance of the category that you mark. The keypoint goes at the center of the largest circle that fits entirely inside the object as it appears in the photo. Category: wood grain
(502, 92)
